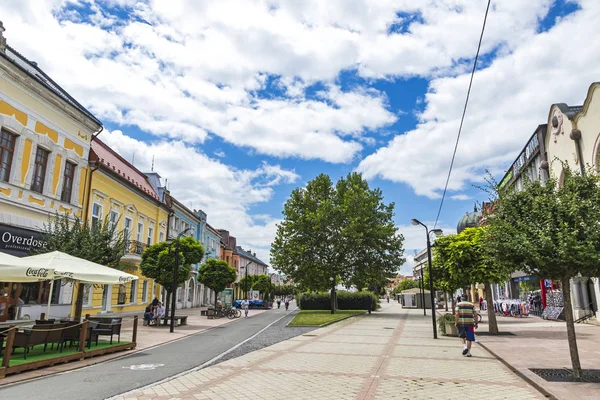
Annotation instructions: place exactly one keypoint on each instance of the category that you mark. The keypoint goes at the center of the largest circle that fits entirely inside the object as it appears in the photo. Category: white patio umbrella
(66, 266)
(13, 270)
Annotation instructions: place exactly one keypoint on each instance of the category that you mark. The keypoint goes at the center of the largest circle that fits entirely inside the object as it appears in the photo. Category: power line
(462, 119)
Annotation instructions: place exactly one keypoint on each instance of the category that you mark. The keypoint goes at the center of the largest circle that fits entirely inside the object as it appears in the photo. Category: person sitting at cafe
(148, 315)
(160, 313)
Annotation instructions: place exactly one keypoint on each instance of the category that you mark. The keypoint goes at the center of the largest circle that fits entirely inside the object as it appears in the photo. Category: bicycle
(233, 312)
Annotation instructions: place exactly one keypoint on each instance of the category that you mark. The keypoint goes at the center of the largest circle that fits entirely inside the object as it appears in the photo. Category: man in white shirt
(245, 306)
(160, 313)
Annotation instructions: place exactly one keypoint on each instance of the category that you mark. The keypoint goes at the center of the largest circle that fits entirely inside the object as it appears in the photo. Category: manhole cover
(144, 367)
(566, 375)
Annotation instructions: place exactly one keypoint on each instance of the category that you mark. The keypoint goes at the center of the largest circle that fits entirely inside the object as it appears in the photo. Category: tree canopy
(344, 232)
(464, 259)
(158, 261)
(216, 275)
(552, 232)
(101, 243)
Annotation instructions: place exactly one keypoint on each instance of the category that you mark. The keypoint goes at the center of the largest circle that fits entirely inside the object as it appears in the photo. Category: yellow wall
(112, 194)
(36, 122)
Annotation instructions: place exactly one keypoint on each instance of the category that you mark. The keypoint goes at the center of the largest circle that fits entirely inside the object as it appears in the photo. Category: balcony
(133, 251)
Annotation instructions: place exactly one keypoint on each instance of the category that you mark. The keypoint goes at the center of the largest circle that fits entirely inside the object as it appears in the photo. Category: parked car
(253, 304)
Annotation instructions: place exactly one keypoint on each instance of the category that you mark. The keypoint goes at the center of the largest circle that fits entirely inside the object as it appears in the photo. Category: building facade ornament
(557, 124)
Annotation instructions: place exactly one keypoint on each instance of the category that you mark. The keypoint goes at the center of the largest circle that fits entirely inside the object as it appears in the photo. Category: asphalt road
(121, 375)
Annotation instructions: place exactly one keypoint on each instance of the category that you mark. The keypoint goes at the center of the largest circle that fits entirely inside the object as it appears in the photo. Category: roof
(249, 256)
(31, 68)
(569, 111)
(414, 291)
(212, 230)
(469, 220)
(117, 165)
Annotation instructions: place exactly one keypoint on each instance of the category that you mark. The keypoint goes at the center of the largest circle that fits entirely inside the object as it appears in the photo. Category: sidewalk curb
(539, 388)
(326, 323)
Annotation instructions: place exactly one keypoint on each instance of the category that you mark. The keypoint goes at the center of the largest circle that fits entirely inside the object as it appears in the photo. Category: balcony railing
(135, 247)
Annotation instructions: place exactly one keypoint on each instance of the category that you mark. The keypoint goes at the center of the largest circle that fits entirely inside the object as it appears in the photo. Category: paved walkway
(147, 336)
(537, 343)
(387, 355)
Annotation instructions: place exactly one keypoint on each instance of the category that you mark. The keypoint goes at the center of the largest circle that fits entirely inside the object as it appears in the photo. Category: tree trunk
(446, 301)
(489, 298)
(168, 305)
(333, 300)
(215, 298)
(571, 337)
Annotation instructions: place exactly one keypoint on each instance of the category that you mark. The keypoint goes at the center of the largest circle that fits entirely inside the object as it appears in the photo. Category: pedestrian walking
(287, 303)
(465, 320)
(278, 302)
(245, 306)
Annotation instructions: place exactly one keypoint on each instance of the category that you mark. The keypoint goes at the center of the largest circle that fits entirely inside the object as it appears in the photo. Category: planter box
(451, 330)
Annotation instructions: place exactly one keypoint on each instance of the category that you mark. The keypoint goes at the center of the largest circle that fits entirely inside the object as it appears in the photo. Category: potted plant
(446, 325)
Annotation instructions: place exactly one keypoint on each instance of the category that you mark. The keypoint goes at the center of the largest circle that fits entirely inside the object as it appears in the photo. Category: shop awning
(13, 270)
(66, 266)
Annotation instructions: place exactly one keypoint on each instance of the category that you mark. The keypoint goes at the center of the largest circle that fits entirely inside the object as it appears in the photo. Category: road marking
(144, 367)
(218, 357)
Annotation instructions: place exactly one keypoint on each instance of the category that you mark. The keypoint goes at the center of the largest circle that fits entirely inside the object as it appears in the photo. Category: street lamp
(437, 232)
(246, 280)
(332, 280)
(175, 278)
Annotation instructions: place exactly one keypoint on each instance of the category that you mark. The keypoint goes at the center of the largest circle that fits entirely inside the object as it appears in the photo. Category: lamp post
(246, 280)
(423, 291)
(175, 279)
(332, 280)
(431, 294)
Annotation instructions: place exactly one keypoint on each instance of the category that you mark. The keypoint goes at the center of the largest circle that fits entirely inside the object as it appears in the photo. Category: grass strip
(321, 317)
(38, 354)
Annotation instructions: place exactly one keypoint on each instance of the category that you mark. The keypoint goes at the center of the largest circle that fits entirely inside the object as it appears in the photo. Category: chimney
(2, 38)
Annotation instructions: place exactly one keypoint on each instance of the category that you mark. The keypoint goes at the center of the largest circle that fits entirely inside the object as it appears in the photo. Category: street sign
(227, 297)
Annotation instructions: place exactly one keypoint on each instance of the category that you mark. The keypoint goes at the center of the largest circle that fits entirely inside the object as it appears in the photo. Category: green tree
(263, 284)
(470, 261)
(246, 283)
(551, 231)
(158, 262)
(216, 275)
(344, 233)
(405, 285)
(101, 243)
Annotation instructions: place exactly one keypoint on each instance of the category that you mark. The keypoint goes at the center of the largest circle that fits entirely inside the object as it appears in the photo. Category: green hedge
(345, 301)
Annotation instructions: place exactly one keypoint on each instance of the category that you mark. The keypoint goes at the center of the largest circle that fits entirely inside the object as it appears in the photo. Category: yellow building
(45, 138)
(122, 193)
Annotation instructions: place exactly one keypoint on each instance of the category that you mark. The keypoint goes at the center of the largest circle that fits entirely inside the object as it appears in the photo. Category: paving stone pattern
(359, 358)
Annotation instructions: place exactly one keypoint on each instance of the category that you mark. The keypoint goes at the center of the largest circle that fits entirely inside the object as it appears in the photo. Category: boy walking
(465, 322)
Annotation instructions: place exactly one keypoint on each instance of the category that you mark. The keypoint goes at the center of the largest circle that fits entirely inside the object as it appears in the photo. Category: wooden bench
(180, 320)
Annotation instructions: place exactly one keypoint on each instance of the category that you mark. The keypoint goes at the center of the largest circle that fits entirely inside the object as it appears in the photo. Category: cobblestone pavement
(387, 355)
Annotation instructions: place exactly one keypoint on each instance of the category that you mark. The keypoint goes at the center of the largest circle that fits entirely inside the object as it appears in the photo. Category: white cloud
(509, 99)
(219, 153)
(461, 196)
(225, 193)
(187, 69)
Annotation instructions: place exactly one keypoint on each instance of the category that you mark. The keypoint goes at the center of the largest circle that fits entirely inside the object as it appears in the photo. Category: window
(68, 176)
(161, 237)
(140, 231)
(96, 215)
(150, 235)
(127, 228)
(145, 291)
(7, 148)
(122, 294)
(87, 295)
(114, 219)
(39, 171)
(133, 292)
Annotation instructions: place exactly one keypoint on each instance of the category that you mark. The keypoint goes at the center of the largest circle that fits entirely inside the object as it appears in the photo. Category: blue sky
(241, 102)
